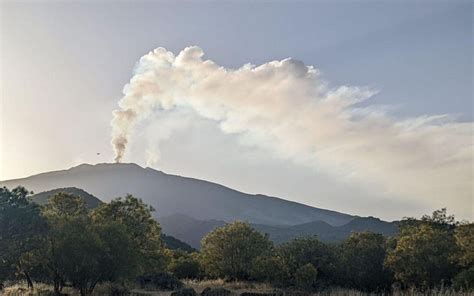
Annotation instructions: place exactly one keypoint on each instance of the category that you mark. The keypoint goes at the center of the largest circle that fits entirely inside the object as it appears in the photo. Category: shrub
(215, 292)
(159, 280)
(464, 280)
(184, 292)
(185, 266)
(305, 277)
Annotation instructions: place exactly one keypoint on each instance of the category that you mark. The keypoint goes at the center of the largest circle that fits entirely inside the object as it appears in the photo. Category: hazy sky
(64, 66)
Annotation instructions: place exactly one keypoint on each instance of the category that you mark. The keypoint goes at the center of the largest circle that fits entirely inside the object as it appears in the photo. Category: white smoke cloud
(287, 108)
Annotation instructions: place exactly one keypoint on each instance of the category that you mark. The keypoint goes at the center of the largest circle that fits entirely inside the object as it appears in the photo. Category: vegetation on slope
(67, 245)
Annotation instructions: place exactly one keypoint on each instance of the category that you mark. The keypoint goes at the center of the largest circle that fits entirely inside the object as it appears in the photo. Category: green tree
(22, 231)
(67, 219)
(301, 251)
(422, 255)
(270, 268)
(82, 251)
(464, 236)
(184, 265)
(229, 251)
(305, 277)
(143, 230)
(361, 262)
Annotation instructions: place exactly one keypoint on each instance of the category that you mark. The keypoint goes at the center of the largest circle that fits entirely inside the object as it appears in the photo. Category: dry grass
(237, 287)
(413, 292)
(21, 289)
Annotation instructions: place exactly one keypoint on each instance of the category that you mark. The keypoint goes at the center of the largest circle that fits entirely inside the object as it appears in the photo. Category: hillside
(90, 200)
(171, 194)
(192, 230)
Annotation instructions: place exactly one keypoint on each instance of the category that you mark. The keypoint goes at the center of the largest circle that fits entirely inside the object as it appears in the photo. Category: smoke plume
(286, 107)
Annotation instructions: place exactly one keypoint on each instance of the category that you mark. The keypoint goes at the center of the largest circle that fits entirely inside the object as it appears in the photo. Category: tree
(270, 268)
(305, 277)
(422, 255)
(21, 233)
(143, 230)
(184, 265)
(464, 236)
(82, 251)
(302, 251)
(229, 251)
(65, 206)
(361, 262)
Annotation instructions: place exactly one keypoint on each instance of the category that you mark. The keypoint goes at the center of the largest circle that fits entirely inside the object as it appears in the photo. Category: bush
(113, 289)
(184, 292)
(185, 266)
(229, 251)
(159, 280)
(215, 292)
(305, 277)
(274, 293)
(464, 280)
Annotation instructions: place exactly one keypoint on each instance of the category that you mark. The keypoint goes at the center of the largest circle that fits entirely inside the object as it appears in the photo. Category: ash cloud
(287, 108)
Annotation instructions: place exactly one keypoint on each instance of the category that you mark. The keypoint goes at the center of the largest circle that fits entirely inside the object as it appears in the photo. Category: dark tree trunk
(27, 276)
(28, 280)
(57, 288)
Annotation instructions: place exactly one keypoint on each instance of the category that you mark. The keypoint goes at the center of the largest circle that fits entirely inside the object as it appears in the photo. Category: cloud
(287, 108)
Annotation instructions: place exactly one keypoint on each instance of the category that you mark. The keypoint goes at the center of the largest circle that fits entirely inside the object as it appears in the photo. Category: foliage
(185, 265)
(230, 250)
(271, 269)
(361, 262)
(21, 233)
(464, 280)
(159, 280)
(423, 252)
(303, 251)
(184, 292)
(68, 245)
(220, 291)
(144, 231)
(305, 277)
(464, 236)
(84, 251)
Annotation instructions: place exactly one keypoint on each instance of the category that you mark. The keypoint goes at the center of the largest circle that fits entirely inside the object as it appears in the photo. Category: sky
(64, 66)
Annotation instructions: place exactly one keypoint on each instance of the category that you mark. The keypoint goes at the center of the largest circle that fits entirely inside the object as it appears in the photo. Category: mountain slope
(192, 230)
(90, 200)
(171, 194)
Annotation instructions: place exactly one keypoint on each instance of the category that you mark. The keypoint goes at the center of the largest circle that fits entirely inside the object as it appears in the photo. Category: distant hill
(93, 202)
(188, 229)
(176, 244)
(328, 233)
(171, 194)
(90, 200)
(192, 230)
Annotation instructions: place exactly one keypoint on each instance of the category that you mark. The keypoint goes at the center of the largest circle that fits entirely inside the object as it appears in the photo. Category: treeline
(65, 244)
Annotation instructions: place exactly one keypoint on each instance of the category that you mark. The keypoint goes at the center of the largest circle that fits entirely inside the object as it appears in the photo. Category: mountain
(326, 232)
(192, 230)
(173, 243)
(90, 200)
(188, 229)
(171, 194)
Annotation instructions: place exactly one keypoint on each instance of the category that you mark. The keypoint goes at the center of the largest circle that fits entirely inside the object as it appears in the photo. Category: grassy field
(20, 289)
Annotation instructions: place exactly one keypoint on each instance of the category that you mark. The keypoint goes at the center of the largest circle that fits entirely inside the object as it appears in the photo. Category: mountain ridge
(171, 194)
(192, 230)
